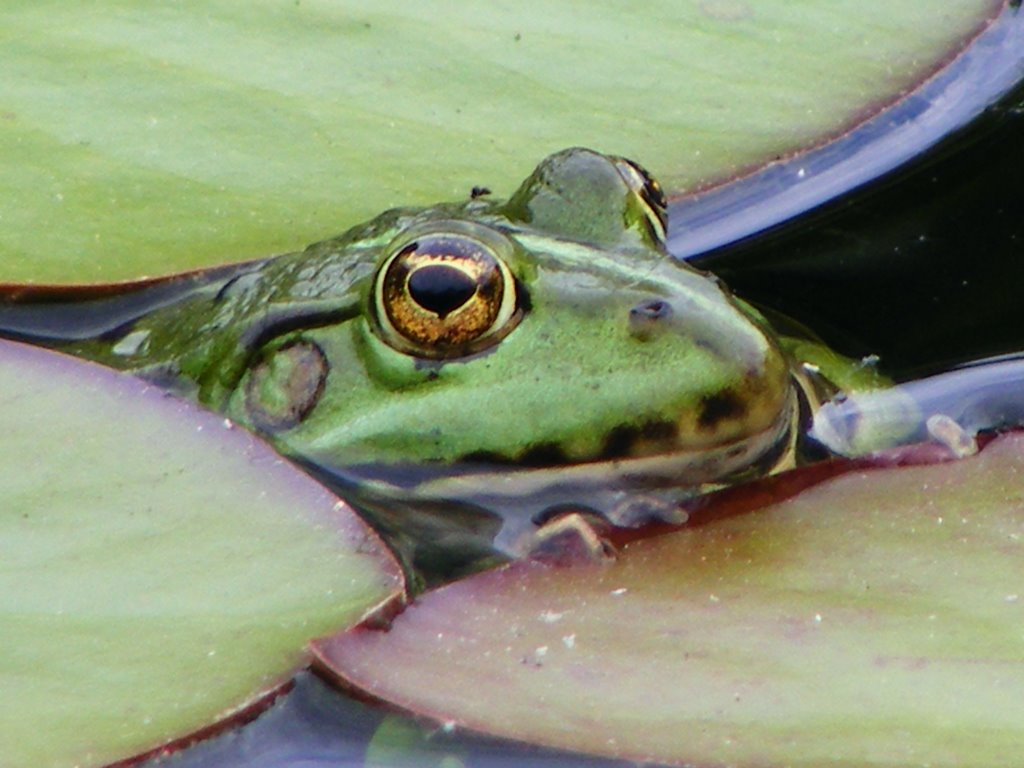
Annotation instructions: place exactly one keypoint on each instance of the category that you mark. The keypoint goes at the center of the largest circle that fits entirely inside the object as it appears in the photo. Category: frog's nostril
(648, 317)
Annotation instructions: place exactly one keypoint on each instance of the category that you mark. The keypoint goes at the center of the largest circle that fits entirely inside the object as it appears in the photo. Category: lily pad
(144, 140)
(874, 618)
(160, 570)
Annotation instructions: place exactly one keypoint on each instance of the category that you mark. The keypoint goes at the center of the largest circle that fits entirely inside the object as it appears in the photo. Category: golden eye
(650, 193)
(443, 296)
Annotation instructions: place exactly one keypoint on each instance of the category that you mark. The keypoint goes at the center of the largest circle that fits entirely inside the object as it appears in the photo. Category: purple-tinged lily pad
(876, 617)
(160, 570)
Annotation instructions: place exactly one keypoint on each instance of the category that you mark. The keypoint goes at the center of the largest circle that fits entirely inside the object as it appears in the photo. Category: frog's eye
(650, 193)
(444, 296)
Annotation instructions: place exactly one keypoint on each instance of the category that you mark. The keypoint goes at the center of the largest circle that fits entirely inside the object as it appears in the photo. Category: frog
(496, 362)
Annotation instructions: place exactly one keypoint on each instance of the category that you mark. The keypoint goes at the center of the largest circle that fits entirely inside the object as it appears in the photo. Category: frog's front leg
(946, 431)
(950, 408)
(855, 424)
(572, 538)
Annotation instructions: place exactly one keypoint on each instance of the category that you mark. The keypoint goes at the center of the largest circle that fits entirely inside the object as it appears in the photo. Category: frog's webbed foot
(581, 536)
(947, 431)
(637, 510)
(573, 537)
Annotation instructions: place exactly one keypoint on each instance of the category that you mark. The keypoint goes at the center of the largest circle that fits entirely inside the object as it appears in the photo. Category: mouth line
(650, 440)
(765, 451)
(686, 465)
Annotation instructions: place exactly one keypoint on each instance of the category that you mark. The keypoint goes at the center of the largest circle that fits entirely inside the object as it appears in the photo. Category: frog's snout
(731, 380)
(649, 318)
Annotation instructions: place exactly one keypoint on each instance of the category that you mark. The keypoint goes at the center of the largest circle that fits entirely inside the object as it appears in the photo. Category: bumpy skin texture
(613, 350)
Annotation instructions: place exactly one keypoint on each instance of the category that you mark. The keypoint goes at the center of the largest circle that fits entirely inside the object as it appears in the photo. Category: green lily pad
(144, 139)
(876, 618)
(160, 570)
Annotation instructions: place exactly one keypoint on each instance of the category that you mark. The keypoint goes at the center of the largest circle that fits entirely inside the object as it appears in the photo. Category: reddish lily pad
(874, 618)
(160, 570)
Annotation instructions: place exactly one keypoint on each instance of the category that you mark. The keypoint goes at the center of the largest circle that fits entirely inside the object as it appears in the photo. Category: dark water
(316, 727)
(923, 267)
(47, 315)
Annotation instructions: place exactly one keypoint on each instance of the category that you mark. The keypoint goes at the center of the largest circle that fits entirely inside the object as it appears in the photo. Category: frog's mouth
(626, 491)
(631, 464)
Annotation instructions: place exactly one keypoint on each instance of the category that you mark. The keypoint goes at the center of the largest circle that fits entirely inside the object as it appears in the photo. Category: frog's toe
(945, 430)
(638, 510)
(572, 538)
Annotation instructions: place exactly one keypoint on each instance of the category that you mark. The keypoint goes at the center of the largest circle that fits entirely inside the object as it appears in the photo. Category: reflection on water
(316, 727)
(311, 726)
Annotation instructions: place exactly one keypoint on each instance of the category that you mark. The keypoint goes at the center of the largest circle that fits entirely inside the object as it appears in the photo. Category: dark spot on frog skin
(478, 192)
(483, 457)
(282, 389)
(715, 409)
(623, 441)
(431, 367)
(536, 456)
(544, 455)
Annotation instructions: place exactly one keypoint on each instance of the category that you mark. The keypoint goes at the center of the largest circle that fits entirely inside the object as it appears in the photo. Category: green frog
(514, 358)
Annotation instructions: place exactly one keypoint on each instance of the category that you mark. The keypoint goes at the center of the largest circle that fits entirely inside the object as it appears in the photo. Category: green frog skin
(549, 335)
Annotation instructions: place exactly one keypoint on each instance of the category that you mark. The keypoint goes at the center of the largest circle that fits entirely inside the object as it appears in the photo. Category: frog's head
(551, 330)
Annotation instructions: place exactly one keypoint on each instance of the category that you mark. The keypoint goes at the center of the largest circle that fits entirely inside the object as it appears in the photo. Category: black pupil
(441, 289)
